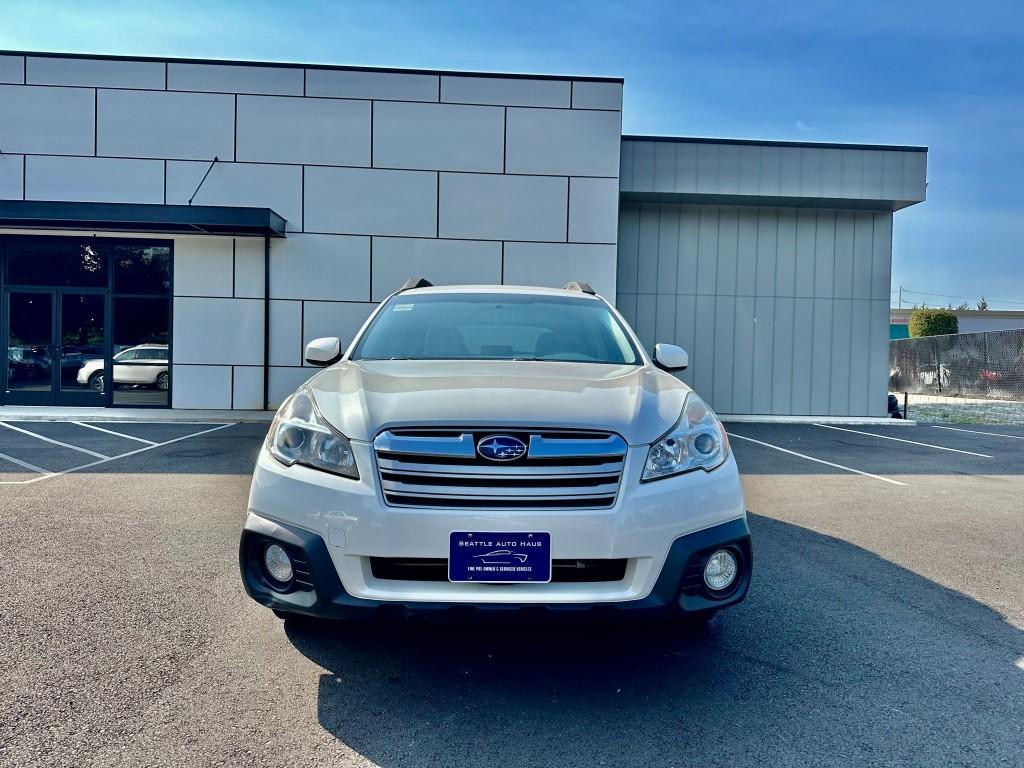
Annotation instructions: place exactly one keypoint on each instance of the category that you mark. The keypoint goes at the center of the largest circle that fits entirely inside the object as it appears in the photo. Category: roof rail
(579, 285)
(415, 282)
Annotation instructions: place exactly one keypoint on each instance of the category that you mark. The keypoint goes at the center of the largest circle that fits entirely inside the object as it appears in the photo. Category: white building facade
(206, 219)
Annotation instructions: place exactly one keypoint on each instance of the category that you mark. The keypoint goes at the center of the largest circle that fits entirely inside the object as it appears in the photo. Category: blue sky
(949, 75)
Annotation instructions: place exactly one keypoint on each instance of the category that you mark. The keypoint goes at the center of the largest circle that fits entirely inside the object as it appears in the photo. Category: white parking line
(112, 432)
(978, 432)
(902, 440)
(48, 474)
(819, 461)
(55, 442)
(24, 464)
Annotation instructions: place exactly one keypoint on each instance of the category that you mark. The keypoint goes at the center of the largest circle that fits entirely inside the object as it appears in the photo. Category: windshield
(452, 326)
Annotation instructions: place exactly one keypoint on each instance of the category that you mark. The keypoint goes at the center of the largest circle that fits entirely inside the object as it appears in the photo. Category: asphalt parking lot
(885, 624)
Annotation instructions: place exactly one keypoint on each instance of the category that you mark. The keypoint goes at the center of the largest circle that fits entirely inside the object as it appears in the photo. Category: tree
(933, 322)
(982, 305)
(963, 306)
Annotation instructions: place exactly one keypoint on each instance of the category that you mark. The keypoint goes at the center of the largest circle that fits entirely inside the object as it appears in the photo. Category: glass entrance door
(81, 323)
(31, 318)
(55, 347)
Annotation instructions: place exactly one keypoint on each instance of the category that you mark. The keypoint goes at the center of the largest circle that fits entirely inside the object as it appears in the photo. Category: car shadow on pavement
(838, 657)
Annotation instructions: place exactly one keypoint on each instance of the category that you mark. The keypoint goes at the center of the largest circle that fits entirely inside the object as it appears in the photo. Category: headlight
(697, 441)
(300, 435)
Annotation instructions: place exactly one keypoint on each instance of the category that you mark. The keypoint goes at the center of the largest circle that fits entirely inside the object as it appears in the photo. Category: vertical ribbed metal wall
(783, 310)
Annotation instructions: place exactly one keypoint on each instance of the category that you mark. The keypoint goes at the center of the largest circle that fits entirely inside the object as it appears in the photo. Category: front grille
(436, 569)
(561, 469)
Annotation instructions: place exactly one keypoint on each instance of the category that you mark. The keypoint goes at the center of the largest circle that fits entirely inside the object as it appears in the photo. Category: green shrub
(933, 322)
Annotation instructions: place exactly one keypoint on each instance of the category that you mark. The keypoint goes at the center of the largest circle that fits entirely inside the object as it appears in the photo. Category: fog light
(278, 564)
(721, 570)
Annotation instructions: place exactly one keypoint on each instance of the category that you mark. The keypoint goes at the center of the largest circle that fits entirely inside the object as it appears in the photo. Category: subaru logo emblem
(501, 448)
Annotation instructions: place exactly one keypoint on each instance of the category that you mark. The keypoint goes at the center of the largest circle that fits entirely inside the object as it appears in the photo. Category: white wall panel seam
(315, 96)
(314, 165)
(318, 96)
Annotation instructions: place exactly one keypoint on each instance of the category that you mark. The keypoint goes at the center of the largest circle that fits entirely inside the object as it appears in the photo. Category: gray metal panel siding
(780, 309)
(785, 254)
(728, 252)
(689, 240)
(688, 167)
(686, 328)
(647, 268)
(745, 321)
(668, 247)
(331, 149)
(707, 250)
(861, 344)
(821, 355)
(703, 359)
(803, 332)
(763, 380)
(805, 255)
(723, 366)
(842, 272)
(782, 357)
(878, 357)
(839, 391)
(767, 253)
(746, 272)
(629, 234)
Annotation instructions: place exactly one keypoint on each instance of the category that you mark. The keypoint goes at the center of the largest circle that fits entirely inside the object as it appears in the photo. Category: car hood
(362, 398)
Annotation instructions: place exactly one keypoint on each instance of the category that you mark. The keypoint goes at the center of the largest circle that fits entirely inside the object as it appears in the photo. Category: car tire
(96, 381)
(163, 381)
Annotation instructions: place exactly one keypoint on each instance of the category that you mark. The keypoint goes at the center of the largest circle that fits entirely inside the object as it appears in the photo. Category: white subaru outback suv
(495, 448)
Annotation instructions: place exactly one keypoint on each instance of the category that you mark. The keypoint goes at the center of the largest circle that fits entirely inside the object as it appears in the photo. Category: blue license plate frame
(502, 557)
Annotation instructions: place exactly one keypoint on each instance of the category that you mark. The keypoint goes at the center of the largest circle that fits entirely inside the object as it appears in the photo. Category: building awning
(138, 217)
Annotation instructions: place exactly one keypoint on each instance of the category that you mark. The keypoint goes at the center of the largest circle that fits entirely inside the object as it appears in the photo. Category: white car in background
(143, 365)
(495, 448)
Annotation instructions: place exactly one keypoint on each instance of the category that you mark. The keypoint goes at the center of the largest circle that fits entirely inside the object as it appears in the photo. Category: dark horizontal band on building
(142, 217)
(773, 143)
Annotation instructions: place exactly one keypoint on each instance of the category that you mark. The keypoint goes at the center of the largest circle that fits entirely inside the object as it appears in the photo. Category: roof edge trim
(773, 143)
(299, 65)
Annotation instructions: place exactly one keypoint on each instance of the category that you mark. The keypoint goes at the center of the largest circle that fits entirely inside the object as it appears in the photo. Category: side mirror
(669, 357)
(325, 351)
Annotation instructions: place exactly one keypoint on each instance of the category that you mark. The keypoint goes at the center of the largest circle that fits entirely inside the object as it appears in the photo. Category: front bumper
(318, 591)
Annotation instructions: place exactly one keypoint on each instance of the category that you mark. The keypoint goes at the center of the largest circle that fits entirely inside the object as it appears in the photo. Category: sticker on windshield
(402, 307)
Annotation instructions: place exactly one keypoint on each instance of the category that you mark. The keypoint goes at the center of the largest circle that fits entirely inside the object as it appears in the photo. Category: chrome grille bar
(462, 446)
(545, 447)
(437, 467)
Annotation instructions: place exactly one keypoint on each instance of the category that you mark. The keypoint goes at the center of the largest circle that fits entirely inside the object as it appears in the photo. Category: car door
(124, 371)
(150, 363)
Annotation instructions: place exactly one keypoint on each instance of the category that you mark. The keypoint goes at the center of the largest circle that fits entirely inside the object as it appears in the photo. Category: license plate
(484, 556)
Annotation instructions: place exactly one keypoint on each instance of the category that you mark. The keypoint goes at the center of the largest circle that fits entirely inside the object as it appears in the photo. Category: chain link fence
(967, 377)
